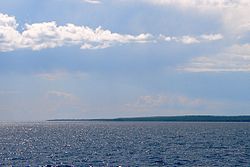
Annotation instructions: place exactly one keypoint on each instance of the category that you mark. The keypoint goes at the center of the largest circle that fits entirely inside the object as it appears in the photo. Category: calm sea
(124, 144)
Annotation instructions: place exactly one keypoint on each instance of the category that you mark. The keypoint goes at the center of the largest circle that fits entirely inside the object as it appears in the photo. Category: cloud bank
(44, 35)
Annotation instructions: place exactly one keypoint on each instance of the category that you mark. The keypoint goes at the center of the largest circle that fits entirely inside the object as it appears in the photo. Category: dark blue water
(124, 144)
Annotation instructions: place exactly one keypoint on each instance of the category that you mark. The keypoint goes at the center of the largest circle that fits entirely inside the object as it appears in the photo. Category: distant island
(190, 118)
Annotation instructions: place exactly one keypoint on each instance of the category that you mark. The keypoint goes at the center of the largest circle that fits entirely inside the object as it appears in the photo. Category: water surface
(125, 144)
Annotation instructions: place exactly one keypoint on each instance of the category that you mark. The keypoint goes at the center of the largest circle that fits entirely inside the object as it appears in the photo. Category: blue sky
(123, 58)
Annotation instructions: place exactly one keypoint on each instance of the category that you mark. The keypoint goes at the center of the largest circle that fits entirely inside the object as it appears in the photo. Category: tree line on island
(189, 118)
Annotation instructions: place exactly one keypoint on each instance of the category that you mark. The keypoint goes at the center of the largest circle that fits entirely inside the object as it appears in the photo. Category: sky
(123, 58)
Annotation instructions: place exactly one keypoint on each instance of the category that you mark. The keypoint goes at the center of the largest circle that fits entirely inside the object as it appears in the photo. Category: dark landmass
(172, 119)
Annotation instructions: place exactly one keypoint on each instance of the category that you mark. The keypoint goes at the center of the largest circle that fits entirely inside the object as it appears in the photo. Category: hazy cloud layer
(233, 59)
(157, 102)
(175, 104)
(234, 14)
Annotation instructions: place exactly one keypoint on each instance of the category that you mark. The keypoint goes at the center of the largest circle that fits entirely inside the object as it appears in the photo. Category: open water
(124, 144)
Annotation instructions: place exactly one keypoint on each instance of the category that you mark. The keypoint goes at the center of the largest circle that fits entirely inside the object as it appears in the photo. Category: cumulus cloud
(233, 59)
(234, 14)
(186, 39)
(9, 37)
(44, 35)
(39, 36)
(7, 21)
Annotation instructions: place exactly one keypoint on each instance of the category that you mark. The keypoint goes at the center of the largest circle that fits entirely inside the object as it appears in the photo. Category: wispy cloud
(61, 94)
(187, 39)
(233, 59)
(92, 1)
(51, 76)
(60, 75)
(200, 3)
(167, 102)
(234, 14)
(174, 104)
(60, 100)
(211, 37)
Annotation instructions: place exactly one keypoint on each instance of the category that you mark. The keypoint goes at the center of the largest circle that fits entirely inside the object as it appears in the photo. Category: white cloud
(9, 37)
(186, 39)
(92, 1)
(101, 46)
(39, 36)
(189, 40)
(212, 37)
(44, 35)
(7, 21)
(165, 38)
(49, 35)
(234, 13)
(233, 59)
